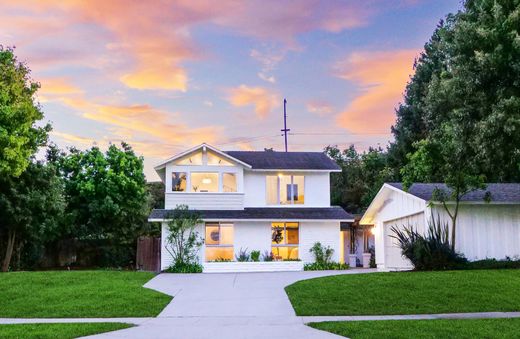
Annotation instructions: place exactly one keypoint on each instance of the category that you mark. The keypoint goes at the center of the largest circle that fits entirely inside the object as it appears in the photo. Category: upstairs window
(229, 182)
(179, 181)
(285, 189)
(204, 182)
(215, 160)
(194, 158)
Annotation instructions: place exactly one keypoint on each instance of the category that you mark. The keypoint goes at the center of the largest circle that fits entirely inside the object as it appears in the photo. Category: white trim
(162, 164)
(267, 219)
(292, 170)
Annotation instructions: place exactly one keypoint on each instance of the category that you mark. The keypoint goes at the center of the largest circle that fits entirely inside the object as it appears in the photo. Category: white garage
(486, 228)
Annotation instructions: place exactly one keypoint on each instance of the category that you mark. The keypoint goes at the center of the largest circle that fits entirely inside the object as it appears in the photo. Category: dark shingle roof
(285, 160)
(497, 192)
(268, 213)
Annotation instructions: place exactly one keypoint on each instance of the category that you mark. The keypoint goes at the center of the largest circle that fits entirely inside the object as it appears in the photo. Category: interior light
(206, 181)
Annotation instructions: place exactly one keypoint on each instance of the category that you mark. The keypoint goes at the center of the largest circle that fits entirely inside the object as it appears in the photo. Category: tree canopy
(20, 136)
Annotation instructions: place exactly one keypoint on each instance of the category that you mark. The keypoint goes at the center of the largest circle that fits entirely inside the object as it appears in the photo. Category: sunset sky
(167, 75)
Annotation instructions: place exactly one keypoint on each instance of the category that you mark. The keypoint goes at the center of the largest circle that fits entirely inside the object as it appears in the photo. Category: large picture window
(219, 241)
(229, 182)
(179, 181)
(204, 182)
(285, 239)
(285, 189)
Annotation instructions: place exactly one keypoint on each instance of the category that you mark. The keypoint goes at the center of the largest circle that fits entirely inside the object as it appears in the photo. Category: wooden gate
(148, 254)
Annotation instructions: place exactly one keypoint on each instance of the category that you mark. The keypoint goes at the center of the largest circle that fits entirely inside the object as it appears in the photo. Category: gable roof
(269, 160)
(497, 192)
(203, 145)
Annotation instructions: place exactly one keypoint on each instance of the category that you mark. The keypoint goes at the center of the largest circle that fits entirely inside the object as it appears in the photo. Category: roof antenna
(285, 130)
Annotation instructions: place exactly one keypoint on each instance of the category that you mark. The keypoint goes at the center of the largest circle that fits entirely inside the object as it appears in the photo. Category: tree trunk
(9, 251)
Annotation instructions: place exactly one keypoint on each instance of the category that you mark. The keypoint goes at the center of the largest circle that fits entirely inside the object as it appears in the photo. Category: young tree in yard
(19, 113)
(446, 157)
(31, 208)
(183, 241)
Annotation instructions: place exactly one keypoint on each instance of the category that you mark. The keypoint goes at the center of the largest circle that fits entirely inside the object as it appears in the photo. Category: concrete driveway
(228, 305)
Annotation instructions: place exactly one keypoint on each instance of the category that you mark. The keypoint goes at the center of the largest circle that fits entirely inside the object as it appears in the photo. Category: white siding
(486, 230)
(205, 201)
(256, 235)
(317, 189)
(327, 233)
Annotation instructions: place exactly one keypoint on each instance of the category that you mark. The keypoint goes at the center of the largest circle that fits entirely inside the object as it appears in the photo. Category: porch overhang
(315, 214)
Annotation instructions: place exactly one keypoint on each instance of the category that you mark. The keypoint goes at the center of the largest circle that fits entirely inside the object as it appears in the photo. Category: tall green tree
(20, 137)
(361, 176)
(31, 208)
(467, 81)
(106, 192)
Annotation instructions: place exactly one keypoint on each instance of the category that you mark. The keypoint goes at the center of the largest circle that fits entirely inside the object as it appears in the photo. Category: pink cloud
(381, 77)
(261, 98)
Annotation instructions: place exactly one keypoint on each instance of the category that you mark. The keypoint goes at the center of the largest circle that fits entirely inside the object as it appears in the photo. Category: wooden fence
(148, 256)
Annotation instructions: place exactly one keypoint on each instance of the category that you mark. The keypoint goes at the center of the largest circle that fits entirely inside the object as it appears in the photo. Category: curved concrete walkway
(228, 305)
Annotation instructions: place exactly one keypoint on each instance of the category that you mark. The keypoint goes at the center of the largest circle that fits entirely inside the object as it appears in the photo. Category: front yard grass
(58, 330)
(79, 294)
(442, 328)
(407, 293)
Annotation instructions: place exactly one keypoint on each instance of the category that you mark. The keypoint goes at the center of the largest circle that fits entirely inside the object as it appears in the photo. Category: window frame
(285, 244)
(219, 245)
(279, 189)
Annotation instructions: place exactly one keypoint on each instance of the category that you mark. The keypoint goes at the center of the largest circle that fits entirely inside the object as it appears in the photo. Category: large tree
(20, 137)
(106, 192)
(466, 81)
(31, 208)
(361, 176)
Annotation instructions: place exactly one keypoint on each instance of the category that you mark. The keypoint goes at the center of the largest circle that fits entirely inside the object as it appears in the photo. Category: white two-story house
(272, 202)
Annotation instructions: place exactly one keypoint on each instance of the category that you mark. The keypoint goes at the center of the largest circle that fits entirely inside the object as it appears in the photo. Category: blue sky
(167, 76)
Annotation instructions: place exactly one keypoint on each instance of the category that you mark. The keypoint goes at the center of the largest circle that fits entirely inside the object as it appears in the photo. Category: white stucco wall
(317, 189)
(256, 235)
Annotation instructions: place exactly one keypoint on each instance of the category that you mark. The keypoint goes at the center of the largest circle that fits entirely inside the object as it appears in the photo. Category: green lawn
(403, 329)
(58, 330)
(78, 294)
(407, 293)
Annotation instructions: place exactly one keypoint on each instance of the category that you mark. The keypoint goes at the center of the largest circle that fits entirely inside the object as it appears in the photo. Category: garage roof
(496, 192)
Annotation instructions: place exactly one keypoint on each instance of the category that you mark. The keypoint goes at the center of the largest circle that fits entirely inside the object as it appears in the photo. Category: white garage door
(393, 258)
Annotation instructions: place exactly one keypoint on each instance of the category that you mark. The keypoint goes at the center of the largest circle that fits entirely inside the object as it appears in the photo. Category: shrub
(487, 264)
(242, 255)
(267, 256)
(322, 259)
(184, 268)
(325, 266)
(255, 255)
(221, 260)
(431, 251)
(322, 255)
(372, 252)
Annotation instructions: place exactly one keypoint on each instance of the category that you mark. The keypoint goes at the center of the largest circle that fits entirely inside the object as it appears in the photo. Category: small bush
(325, 266)
(267, 256)
(242, 255)
(255, 255)
(322, 255)
(184, 268)
(428, 252)
(221, 260)
(372, 252)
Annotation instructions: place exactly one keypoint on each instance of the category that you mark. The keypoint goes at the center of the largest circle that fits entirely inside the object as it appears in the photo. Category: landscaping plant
(255, 255)
(267, 256)
(183, 241)
(431, 251)
(243, 255)
(322, 259)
